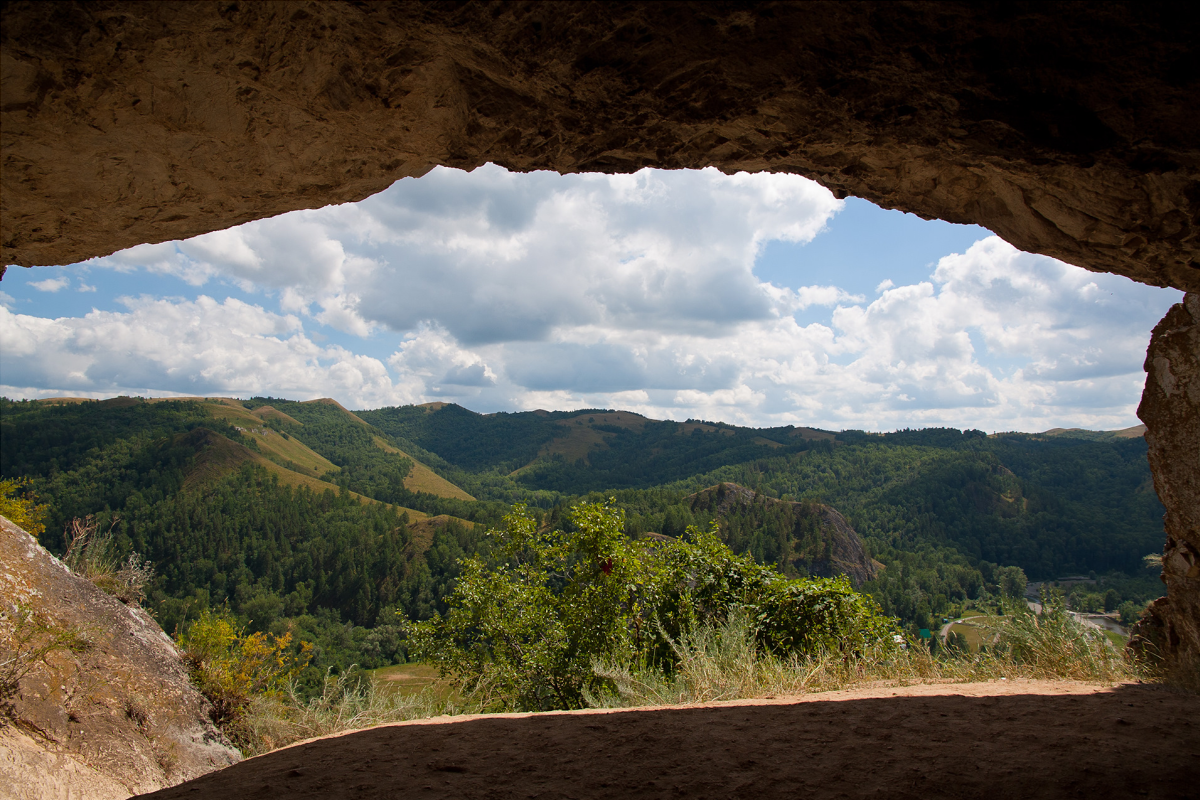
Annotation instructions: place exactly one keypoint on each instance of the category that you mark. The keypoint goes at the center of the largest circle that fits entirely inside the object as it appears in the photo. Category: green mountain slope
(578, 451)
(228, 504)
(383, 502)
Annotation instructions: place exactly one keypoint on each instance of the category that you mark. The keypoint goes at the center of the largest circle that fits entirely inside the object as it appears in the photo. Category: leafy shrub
(1130, 612)
(525, 633)
(21, 506)
(804, 616)
(231, 668)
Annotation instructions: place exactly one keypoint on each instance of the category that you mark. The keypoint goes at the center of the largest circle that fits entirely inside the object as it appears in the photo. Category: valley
(340, 525)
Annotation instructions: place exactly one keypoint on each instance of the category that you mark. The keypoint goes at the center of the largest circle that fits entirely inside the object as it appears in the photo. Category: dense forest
(301, 516)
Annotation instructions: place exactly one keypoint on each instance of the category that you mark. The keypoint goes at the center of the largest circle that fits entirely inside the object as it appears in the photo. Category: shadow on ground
(1131, 741)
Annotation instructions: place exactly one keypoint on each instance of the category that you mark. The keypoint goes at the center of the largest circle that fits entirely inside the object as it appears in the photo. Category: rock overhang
(1067, 130)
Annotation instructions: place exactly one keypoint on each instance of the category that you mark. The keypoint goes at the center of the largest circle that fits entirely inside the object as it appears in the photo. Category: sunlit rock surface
(113, 717)
(1069, 130)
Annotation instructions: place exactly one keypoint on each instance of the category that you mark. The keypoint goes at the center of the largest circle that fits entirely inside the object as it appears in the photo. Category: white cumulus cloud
(503, 291)
(51, 284)
(203, 347)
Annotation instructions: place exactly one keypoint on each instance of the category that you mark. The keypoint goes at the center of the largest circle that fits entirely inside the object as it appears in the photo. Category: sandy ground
(1018, 739)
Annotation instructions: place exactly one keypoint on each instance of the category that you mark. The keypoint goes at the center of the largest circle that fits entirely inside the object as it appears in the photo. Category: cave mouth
(1067, 130)
(754, 299)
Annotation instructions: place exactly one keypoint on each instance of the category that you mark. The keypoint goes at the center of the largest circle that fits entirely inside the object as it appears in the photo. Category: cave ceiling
(1069, 130)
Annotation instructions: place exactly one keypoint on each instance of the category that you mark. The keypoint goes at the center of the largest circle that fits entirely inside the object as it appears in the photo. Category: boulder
(108, 713)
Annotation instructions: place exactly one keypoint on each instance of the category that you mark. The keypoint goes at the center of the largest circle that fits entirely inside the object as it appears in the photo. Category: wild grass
(27, 640)
(722, 663)
(91, 554)
(349, 701)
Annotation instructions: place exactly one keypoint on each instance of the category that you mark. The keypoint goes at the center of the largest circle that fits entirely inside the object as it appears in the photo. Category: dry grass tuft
(347, 702)
(91, 555)
(722, 663)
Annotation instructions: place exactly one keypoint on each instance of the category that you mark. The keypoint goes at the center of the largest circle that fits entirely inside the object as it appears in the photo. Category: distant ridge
(329, 401)
(1097, 436)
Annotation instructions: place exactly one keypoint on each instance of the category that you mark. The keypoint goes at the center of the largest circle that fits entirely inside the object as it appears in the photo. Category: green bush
(525, 633)
(20, 505)
(1130, 612)
(232, 667)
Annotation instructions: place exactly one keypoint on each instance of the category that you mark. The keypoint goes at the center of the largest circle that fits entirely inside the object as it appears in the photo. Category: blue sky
(754, 299)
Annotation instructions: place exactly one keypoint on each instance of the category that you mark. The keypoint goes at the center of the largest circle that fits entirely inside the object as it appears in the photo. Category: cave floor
(1020, 739)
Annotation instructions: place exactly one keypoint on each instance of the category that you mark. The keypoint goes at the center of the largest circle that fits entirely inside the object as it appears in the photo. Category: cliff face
(820, 541)
(1069, 129)
(1171, 410)
(112, 714)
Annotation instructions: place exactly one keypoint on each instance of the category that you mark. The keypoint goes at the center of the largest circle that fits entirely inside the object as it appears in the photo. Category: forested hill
(1055, 503)
(946, 510)
(327, 522)
(573, 452)
(295, 516)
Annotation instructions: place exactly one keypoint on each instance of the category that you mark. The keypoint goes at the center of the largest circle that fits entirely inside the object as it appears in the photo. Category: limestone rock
(823, 542)
(1067, 129)
(1171, 410)
(118, 712)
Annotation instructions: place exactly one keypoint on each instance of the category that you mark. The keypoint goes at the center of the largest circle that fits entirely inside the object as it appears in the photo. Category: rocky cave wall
(1068, 129)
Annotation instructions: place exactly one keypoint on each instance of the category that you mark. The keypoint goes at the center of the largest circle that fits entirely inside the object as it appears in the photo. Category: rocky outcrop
(108, 714)
(1171, 410)
(821, 541)
(1068, 129)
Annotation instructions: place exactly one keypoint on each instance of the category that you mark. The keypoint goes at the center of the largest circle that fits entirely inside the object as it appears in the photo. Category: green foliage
(281, 558)
(20, 505)
(231, 667)
(1130, 612)
(956, 517)
(364, 467)
(942, 508)
(805, 616)
(497, 444)
(41, 439)
(526, 631)
(1050, 507)
(466, 439)
(1012, 582)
